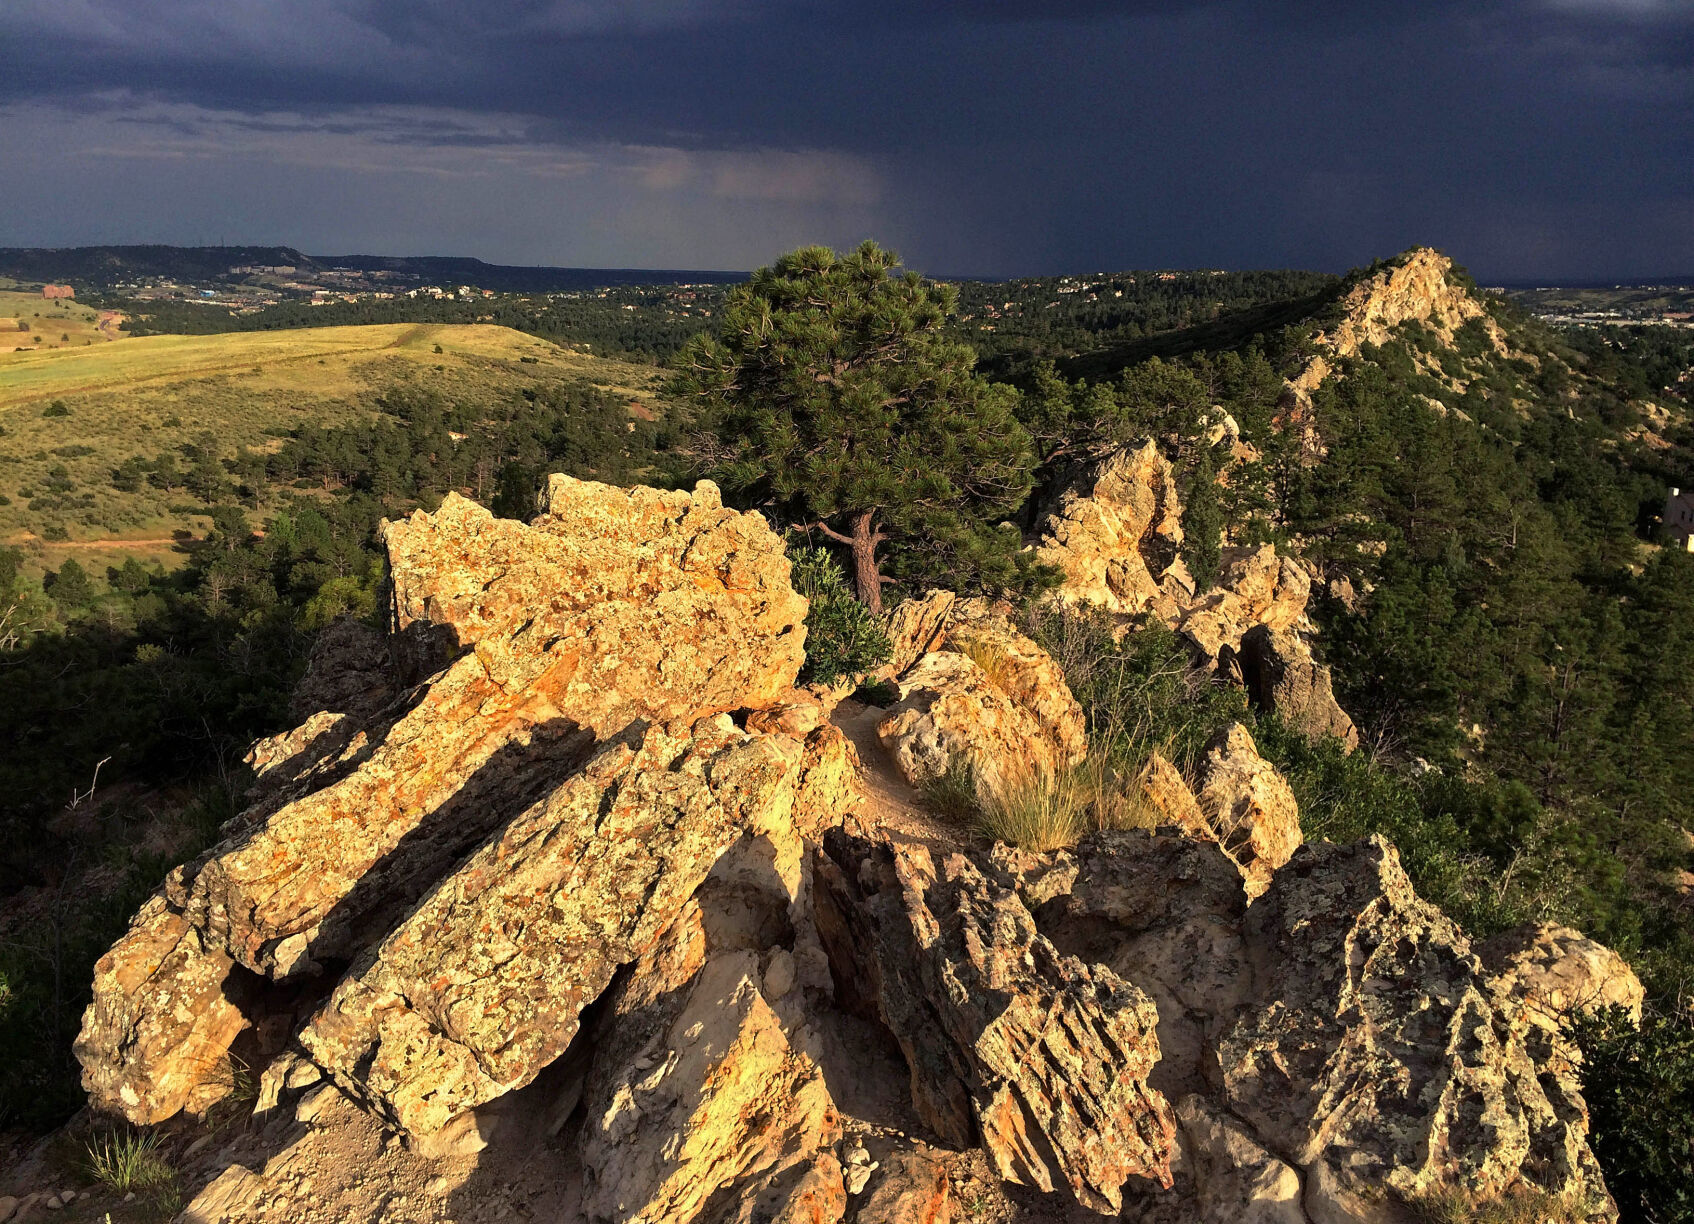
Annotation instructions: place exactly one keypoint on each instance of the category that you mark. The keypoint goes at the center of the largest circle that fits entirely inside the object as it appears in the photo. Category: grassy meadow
(52, 326)
(72, 413)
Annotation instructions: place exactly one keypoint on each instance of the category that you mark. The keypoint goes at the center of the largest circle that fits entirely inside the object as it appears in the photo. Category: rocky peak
(585, 919)
(1417, 288)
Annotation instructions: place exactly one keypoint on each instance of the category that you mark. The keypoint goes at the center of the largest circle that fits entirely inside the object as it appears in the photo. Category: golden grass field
(52, 325)
(151, 394)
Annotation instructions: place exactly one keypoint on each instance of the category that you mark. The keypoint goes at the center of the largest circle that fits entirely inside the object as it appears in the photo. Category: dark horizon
(1541, 141)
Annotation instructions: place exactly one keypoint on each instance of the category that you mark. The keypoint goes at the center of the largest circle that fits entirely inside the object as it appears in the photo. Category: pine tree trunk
(865, 576)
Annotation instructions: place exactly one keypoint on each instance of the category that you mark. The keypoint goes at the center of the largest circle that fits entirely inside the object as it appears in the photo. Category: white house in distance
(1679, 518)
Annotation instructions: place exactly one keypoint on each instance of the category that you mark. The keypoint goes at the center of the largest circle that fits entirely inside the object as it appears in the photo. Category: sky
(1533, 140)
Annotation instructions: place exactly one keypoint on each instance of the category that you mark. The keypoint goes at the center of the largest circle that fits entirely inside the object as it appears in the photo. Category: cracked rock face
(481, 987)
(1038, 1057)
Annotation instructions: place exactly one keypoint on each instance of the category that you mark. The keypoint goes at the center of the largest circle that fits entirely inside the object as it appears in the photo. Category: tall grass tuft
(990, 658)
(128, 1161)
(1049, 812)
(953, 794)
(1456, 1205)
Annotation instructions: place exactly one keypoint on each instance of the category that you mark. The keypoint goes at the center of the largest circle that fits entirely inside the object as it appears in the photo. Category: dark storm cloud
(1531, 137)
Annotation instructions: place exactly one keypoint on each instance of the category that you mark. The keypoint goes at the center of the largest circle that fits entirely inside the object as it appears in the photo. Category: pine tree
(1202, 524)
(836, 399)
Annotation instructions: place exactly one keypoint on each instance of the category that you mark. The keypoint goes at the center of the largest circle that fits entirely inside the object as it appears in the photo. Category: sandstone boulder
(1113, 530)
(987, 696)
(1555, 972)
(950, 711)
(148, 1062)
(1283, 678)
(1234, 1180)
(1170, 795)
(615, 605)
(1259, 588)
(1022, 671)
(1037, 1056)
(349, 672)
(912, 1189)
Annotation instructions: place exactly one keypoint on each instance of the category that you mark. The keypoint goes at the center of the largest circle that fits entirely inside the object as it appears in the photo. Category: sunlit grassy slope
(52, 325)
(152, 394)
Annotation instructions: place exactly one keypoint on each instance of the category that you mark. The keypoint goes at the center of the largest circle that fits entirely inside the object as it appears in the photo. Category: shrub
(56, 409)
(1639, 1084)
(843, 636)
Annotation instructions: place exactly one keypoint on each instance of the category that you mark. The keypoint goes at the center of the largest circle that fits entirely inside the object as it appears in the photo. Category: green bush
(56, 409)
(1639, 1084)
(843, 636)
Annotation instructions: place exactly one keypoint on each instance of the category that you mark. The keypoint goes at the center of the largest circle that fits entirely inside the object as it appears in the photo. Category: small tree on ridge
(836, 399)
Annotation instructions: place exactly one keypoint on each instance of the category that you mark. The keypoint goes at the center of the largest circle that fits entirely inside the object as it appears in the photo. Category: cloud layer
(1533, 138)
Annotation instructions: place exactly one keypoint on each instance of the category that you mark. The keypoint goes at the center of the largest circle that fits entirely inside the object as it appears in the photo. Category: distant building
(1679, 518)
(52, 292)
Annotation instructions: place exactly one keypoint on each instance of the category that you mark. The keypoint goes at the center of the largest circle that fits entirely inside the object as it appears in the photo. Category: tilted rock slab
(1374, 1058)
(1249, 807)
(483, 985)
(1037, 1056)
(617, 604)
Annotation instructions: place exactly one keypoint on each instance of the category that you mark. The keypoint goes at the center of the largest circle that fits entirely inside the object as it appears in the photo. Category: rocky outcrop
(616, 605)
(1339, 1028)
(1375, 1058)
(604, 907)
(1118, 522)
(1114, 529)
(1283, 679)
(446, 1017)
(1418, 288)
(1040, 1057)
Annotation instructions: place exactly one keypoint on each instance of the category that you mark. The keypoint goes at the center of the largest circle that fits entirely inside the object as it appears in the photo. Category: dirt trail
(893, 807)
(137, 542)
